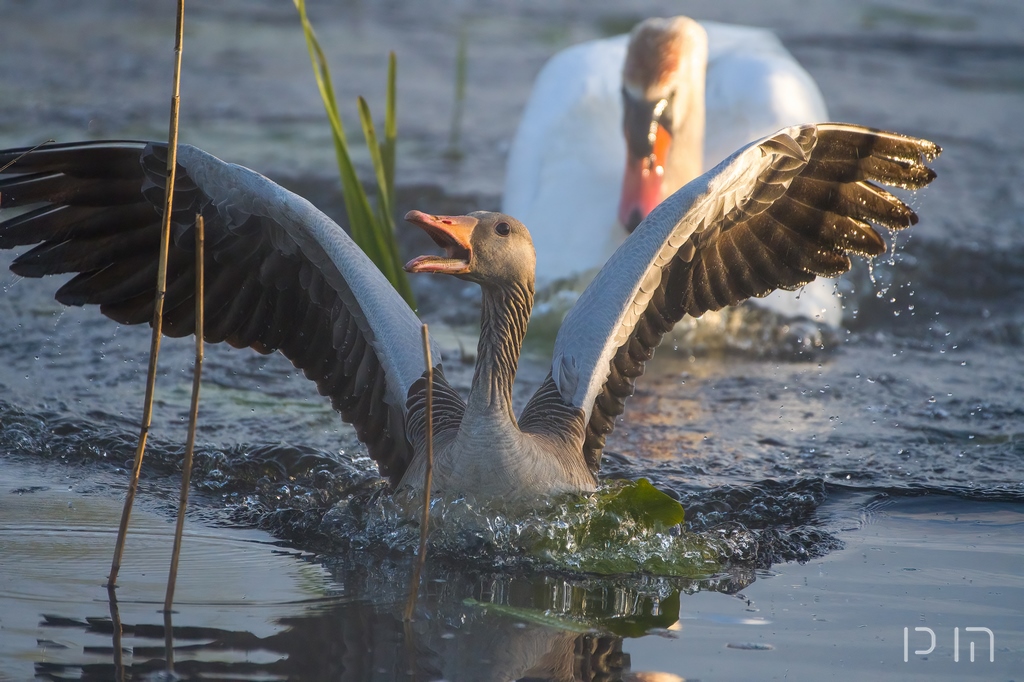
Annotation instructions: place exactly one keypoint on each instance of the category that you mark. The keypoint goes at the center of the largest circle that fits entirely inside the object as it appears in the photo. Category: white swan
(564, 177)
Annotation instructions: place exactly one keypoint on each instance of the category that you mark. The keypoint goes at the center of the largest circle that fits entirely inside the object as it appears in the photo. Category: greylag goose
(281, 276)
(614, 126)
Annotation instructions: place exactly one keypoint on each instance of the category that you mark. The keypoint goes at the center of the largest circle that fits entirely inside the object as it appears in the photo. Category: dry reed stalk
(115, 624)
(158, 302)
(169, 644)
(193, 415)
(428, 473)
(23, 155)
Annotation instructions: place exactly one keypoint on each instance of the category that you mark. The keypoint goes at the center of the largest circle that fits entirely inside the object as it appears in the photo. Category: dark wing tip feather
(813, 205)
(846, 140)
(100, 219)
(802, 221)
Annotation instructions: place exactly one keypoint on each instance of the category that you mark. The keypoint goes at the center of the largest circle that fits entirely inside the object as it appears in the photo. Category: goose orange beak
(453, 234)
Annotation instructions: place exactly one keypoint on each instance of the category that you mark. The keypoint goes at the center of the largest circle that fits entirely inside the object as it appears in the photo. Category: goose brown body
(482, 447)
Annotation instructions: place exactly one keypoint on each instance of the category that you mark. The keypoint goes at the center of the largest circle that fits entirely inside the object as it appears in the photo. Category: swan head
(483, 247)
(663, 112)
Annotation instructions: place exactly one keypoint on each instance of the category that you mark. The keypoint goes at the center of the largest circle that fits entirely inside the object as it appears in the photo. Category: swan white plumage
(565, 168)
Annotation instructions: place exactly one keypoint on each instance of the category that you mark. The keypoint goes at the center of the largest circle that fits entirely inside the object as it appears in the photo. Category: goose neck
(505, 312)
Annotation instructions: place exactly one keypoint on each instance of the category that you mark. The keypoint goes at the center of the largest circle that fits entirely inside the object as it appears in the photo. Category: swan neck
(686, 155)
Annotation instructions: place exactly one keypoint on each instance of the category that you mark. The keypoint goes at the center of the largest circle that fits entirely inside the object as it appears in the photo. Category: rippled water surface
(850, 494)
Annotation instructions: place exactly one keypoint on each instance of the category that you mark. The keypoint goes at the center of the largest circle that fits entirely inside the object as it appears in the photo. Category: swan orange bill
(643, 178)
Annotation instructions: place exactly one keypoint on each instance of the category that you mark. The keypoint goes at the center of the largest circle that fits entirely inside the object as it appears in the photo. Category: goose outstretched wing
(776, 214)
(280, 275)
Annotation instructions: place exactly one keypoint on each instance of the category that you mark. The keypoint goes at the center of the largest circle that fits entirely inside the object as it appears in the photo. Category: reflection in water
(466, 627)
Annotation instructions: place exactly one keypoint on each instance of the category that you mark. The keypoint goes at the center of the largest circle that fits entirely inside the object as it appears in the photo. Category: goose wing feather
(280, 274)
(776, 214)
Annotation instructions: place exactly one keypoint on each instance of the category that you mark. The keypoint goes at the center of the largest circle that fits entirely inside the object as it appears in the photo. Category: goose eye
(504, 229)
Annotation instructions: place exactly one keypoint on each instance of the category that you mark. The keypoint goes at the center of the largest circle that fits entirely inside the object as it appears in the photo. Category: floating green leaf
(629, 527)
(528, 615)
(645, 614)
(645, 504)
(650, 615)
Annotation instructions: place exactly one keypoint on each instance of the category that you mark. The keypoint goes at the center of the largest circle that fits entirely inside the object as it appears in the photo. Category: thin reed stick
(115, 635)
(454, 151)
(428, 474)
(158, 302)
(186, 466)
(24, 154)
(169, 644)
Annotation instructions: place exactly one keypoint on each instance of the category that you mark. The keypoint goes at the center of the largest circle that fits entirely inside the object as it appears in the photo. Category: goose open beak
(451, 233)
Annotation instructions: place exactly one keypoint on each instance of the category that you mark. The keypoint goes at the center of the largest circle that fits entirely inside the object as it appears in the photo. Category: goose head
(495, 251)
(663, 112)
(491, 249)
